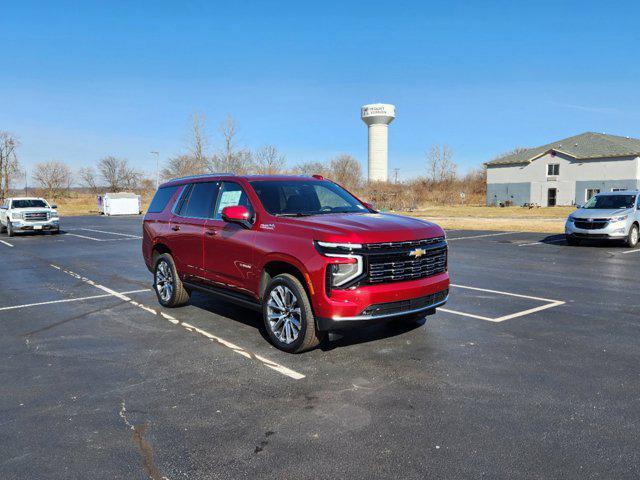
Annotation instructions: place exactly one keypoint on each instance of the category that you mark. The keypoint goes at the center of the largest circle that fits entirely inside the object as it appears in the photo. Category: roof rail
(203, 175)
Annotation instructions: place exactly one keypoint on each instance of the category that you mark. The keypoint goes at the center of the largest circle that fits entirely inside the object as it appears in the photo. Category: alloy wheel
(284, 314)
(164, 281)
(634, 235)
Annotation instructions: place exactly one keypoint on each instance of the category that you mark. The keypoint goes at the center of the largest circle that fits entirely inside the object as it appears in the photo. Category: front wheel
(288, 317)
(10, 232)
(632, 238)
(167, 283)
(2, 228)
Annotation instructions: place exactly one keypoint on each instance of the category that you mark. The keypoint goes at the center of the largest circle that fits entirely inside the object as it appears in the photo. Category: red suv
(302, 250)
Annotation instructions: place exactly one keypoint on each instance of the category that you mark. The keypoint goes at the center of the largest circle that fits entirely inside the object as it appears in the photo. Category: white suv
(28, 214)
(609, 216)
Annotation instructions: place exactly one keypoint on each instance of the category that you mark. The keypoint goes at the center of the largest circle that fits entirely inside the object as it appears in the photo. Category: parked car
(302, 250)
(607, 216)
(20, 214)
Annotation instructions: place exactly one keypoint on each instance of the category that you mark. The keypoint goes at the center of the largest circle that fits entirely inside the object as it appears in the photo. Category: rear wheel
(167, 283)
(632, 238)
(288, 317)
(573, 241)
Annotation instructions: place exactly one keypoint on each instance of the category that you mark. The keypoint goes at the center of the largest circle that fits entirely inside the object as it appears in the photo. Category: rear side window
(161, 198)
(200, 201)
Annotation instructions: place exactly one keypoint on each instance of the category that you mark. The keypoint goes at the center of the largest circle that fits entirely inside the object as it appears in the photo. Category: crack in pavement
(144, 447)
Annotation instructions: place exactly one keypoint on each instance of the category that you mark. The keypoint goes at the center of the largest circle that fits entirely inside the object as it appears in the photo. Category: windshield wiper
(297, 214)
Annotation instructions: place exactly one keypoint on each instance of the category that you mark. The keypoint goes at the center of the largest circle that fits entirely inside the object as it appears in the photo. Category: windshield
(298, 198)
(29, 204)
(611, 202)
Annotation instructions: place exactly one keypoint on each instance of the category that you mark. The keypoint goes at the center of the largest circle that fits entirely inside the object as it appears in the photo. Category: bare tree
(231, 158)
(440, 164)
(268, 160)
(53, 177)
(198, 142)
(182, 166)
(89, 179)
(311, 168)
(117, 174)
(9, 165)
(347, 171)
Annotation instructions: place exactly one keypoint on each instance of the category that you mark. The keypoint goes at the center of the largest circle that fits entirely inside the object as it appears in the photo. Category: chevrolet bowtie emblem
(418, 252)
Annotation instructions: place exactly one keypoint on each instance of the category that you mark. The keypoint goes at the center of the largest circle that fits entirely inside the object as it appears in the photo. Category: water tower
(378, 116)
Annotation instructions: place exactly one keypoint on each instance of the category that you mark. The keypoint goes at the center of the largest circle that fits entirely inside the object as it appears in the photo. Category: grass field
(547, 220)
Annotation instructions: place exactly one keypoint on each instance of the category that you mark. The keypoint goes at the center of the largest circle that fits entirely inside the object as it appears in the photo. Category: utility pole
(157, 154)
(395, 172)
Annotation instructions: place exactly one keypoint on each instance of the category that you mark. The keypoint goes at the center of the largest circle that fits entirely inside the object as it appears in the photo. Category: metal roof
(586, 146)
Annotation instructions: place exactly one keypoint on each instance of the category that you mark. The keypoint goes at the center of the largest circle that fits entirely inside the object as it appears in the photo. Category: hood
(33, 209)
(367, 228)
(600, 212)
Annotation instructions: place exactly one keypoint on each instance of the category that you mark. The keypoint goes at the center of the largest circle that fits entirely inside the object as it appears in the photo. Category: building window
(617, 189)
(553, 169)
(591, 192)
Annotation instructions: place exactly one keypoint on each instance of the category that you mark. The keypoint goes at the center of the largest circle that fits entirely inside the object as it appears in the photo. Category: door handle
(211, 232)
(175, 228)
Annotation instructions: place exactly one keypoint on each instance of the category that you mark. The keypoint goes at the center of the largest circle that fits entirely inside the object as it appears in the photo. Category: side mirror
(237, 214)
(54, 206)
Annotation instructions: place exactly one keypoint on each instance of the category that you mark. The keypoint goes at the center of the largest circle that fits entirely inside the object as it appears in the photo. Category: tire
(167, 284)
(288, 317)
(2, 228)
(10, 232)
(632, 238)
(574, 242)
(55, 232)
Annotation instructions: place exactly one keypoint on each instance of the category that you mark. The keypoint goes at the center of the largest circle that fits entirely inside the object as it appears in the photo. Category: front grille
(594, 224)
(405, 305)
(36, 216)
(394, 262)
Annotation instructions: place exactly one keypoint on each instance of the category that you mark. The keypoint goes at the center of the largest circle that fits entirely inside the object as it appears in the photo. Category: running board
(236, 298)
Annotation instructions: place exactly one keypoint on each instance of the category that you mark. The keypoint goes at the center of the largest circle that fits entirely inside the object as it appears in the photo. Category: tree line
(439, 184)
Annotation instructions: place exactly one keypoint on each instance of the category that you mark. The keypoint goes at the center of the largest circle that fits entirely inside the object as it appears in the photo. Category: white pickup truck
(28, 214)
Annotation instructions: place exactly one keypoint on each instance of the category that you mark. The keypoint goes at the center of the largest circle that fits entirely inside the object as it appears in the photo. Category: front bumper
(613, 231)
(385, 312)
(24, 226)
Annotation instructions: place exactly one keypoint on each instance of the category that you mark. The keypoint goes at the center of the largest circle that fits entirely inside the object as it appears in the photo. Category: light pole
(157, 168)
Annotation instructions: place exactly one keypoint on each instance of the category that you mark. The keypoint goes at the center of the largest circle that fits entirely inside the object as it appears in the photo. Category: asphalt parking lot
(530, 371)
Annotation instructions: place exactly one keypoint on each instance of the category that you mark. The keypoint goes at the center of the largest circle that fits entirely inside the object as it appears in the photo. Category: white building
(566, 172)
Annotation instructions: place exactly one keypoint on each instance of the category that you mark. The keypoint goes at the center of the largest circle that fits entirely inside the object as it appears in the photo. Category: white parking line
(110, 233)
(6, 243)
(480, 236)
(191, 328)
(100, 239)
(68, 300)
(550, 303)
(631, 251)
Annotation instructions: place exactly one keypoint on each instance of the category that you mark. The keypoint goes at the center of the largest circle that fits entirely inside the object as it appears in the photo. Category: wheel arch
(277, 266)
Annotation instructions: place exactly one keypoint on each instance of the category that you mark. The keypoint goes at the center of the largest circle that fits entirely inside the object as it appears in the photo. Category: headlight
(621, 218)
(342, 273)
(16, 215)
(348, 266)
(54, 215)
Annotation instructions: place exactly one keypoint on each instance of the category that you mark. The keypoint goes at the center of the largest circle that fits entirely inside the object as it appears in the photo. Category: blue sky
(83, 80)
